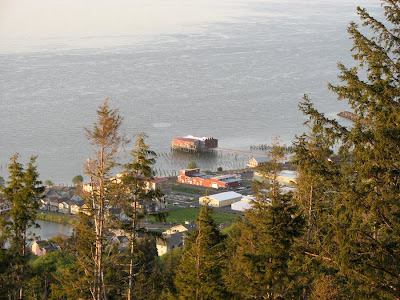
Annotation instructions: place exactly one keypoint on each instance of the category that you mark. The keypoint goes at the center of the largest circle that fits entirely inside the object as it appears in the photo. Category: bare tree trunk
(106, 138)
(98, 208)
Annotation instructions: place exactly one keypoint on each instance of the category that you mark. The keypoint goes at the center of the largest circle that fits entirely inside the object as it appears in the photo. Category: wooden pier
(238, 152)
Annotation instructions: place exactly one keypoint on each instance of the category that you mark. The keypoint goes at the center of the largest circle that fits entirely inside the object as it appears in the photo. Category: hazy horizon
(28, 25)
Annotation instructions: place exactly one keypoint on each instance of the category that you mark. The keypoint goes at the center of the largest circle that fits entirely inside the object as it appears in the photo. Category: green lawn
(186, 189)
(57, 219)
(181, 215)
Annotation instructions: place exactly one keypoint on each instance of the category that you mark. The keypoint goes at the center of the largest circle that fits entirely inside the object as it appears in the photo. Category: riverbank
(56, 218)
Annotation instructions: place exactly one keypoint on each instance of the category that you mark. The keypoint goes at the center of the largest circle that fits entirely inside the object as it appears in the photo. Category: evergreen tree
(75, 280)
(49, 183)
(106, 139)
(168, 267)
(22, 191)
(261, 244)
(136, 180)
(318, 172)
(77, 180)
(199, 275)
(365, 236)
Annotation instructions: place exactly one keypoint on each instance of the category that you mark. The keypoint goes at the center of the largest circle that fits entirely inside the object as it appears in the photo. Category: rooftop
(225, 196)
(186, 139)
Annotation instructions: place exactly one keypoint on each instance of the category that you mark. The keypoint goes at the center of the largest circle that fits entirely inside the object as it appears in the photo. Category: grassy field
(186, 189)
(190, 214)
(57, 219)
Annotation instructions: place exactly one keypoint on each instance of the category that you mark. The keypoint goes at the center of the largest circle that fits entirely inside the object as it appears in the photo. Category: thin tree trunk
(130, 290)
(310, 208)
(21, 289)
(198, 238)
(310, 204)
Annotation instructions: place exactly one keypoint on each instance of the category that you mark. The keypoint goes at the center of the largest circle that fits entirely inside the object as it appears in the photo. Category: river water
(238, 79)
(50, 229)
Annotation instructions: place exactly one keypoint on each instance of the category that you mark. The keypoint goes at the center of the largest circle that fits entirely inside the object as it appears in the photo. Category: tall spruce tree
(75, 280)
(136, 181)
(106, 139)
(365, 237)
(22, 191)
(199, 275)
(318, 172)
(261, 244)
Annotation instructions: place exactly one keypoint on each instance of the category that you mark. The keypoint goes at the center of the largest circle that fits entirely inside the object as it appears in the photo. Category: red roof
(156, 180)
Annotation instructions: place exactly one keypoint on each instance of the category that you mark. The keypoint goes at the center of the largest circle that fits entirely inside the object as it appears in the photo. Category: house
(195, 177)
(174, 237)
(156, 184)
(118, 213)
(5, 207)
(86, 209)
(40, 248)
(180, 228)
(52, 199)
(121, 241)
(258, 162)
(152, 185)
(44, 204)
(54, 203)
(169, 242)
(64, 205)
(221, 199)
(60, 191)
(75, 207)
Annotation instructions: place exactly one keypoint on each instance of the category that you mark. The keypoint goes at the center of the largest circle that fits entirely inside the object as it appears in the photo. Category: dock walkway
(240, 152)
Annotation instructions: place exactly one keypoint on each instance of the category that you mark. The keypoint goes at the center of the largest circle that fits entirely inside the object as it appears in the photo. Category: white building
(243, 204)
(286, 177)
(221, 199)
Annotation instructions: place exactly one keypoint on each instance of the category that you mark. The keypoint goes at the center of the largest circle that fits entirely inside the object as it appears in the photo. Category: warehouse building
(286, 177)
(195, 177)
(246, 202)
(192, 143)
(221, 199)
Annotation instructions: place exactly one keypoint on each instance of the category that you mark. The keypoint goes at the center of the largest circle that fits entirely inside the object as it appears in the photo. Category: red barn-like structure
(195, 177)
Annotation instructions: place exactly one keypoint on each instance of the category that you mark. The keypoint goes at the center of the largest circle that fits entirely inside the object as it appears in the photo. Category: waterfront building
(195, 177)
(192, 143)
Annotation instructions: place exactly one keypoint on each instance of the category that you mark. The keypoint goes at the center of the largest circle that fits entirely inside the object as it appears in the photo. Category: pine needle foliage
(23, 191)
(261, 244)
(199, 275)
(365, 226)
